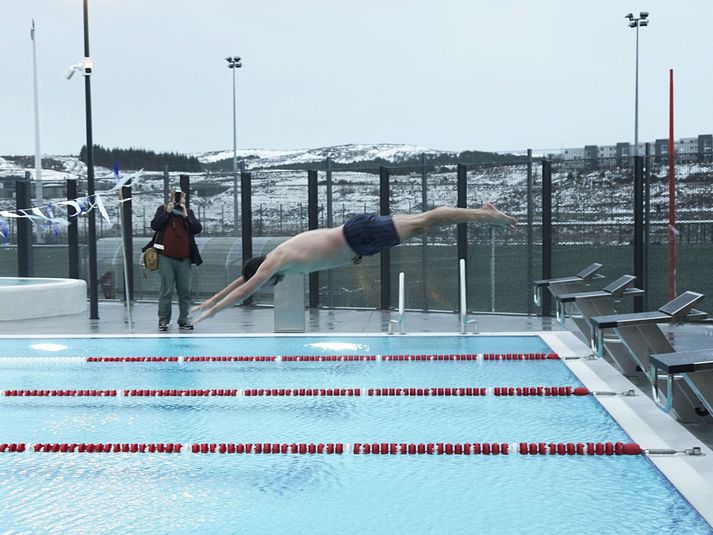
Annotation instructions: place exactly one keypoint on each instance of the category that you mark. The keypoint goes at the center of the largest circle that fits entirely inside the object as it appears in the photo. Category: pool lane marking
(498, 391)
(478, 357)
(589, 449)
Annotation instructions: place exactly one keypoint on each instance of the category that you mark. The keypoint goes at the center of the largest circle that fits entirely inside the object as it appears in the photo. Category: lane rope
(338, 358)
(498, 391)
(358, 448)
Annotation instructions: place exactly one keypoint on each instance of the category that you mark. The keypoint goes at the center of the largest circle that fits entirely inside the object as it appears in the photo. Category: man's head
(252, 265)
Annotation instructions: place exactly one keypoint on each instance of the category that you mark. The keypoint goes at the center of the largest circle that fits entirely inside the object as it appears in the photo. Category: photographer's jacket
(176, 234)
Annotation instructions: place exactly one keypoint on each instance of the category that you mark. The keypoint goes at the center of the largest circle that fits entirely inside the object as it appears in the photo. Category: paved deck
(113, 320)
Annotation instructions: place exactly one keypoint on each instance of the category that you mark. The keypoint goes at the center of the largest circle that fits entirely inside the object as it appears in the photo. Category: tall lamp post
(85, 67)
(234, 62)
(38, 154)
(635, 22)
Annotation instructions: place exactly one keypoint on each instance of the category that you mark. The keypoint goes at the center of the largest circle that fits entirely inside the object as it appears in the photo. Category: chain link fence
(592, 219)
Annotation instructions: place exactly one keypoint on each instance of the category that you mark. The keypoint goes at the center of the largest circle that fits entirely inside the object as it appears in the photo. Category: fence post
(385, 255)
(639, 227)
(424, 236)
(530, 232)
(247, 222)
(23, 200)
(166, 192)
(72, 230)
(647, 229)
(312, 224)
(546, 232)
(462, 228)
(127, 229)
(330, 224)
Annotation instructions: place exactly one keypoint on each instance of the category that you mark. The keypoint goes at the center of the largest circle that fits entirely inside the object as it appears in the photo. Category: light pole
(85, 67)
(635, 22)
(38, 154)
(234, 63)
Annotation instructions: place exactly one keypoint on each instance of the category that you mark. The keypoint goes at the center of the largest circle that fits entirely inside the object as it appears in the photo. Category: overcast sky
(445, 74)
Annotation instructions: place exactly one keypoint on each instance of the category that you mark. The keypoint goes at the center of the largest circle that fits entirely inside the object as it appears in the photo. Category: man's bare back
(321, 249)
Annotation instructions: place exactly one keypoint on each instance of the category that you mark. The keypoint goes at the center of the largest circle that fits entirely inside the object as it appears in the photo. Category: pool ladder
(401, 311)
(464, 321)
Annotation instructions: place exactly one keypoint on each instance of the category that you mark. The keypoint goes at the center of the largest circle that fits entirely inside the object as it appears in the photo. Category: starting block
(289, 304)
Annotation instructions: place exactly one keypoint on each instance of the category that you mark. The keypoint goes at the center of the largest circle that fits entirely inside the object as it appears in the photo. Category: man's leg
(167, 273)
(410, 225)
(183, 288)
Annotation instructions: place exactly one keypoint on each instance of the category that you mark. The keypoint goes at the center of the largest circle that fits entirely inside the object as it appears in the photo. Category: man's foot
(162, 325)
(188, 326)
(497, 218)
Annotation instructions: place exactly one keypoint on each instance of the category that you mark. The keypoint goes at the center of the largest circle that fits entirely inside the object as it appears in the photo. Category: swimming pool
(317, 493)
(34, 297)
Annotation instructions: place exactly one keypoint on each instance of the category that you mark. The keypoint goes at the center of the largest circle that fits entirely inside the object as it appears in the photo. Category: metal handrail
(401, 311)
(464, 321)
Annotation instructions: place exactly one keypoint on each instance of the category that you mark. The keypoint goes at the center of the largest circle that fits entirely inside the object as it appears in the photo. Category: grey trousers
(174, 273)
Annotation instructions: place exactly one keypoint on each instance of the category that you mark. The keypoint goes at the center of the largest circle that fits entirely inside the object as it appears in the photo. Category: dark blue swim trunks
(367, 234)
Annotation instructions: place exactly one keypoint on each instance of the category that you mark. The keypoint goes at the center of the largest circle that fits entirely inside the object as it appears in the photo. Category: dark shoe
(162, 326)
(188, 326)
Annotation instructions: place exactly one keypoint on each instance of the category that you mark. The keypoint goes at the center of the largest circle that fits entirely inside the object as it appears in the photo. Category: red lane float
(60, 393)
(498, 391)
(433, 391)
(12, 447)
(340, 358)
(329, 358)
(547, 391)
(83, 447)
(374, 448)
(590, 448)
(132, 359)
(521, 356)
(431, 448)
(253, 392)
(259, 358)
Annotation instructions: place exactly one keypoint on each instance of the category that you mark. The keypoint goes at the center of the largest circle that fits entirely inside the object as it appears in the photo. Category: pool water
(23, 281)
(347, 493)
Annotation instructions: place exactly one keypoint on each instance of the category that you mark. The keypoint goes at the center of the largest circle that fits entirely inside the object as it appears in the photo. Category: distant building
(687, 149)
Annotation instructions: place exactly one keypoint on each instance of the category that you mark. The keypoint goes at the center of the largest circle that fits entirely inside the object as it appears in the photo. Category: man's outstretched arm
(219, 295)
(239, 292)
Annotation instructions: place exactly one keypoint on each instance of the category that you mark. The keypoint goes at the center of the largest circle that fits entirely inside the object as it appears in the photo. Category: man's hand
(209, 313)
(184, 212)
(203, 306)
(170, 206)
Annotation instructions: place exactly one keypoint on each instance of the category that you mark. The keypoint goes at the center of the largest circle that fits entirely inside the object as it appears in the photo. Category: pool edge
(643, 421)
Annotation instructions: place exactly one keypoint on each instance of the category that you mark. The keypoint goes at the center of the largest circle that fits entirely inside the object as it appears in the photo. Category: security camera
(71, 70)
(85, 67)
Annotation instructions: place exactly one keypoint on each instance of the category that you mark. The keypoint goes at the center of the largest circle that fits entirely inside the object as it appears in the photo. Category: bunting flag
(4, 232)
(82, 205)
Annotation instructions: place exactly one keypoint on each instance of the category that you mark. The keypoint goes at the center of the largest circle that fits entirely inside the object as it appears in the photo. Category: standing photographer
(175, 225)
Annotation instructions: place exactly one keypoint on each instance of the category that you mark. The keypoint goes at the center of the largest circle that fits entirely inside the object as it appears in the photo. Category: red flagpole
(671, 198)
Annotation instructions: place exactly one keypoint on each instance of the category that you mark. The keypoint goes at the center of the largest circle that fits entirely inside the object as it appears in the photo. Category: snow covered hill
(393, 153)
(279, 196)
